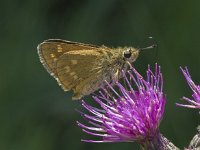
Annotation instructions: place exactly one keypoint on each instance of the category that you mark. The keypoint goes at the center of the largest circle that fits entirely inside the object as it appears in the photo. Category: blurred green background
(35, 112)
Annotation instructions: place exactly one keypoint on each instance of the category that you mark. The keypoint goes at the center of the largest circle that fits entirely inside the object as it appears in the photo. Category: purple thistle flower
(129, 114)
(195, 102)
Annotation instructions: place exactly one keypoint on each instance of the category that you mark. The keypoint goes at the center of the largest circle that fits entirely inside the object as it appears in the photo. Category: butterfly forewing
(50, 50)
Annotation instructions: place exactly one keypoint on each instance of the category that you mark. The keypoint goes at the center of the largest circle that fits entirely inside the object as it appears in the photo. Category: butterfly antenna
(154, 45)
(151, 46)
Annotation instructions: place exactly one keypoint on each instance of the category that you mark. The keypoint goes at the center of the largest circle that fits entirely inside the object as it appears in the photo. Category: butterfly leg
(118, 74)
(115, 77)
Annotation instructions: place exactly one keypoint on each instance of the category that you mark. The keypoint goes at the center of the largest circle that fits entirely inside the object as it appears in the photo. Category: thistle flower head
(195, 102)
(132, 113)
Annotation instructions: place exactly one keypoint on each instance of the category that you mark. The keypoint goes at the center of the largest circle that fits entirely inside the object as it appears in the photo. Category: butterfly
(83, 68)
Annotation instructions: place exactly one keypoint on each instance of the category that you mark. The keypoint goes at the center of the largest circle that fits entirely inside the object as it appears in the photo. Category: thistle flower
(195, 102)
(130, 114)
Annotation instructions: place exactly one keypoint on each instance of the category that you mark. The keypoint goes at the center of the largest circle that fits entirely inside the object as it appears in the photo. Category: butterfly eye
(127, 53)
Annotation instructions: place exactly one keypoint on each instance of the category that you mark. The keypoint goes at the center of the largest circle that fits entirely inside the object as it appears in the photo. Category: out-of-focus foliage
(37, 115)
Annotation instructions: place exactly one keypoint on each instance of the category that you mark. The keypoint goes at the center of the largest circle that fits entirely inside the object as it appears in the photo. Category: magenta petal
(195, 102)
(132, 113)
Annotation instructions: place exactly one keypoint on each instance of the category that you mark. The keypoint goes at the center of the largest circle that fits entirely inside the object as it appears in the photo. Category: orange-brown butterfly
(84, 67)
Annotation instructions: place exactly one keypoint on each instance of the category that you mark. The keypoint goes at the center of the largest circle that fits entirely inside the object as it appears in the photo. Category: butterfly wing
(50, 50)
(75, 66)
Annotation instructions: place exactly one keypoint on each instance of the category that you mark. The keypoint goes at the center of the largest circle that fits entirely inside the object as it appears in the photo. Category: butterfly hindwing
(75, 67)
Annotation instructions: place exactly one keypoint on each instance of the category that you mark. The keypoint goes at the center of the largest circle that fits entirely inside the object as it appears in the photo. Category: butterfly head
(130, 54)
